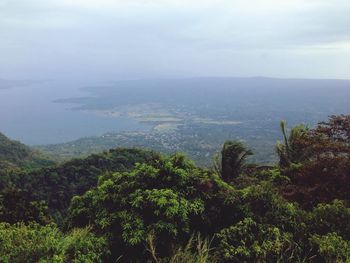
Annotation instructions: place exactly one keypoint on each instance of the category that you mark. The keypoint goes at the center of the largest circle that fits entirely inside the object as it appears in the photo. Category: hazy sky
(123, 39)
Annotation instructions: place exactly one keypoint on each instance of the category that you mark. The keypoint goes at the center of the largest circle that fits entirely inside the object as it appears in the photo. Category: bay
(28, 113)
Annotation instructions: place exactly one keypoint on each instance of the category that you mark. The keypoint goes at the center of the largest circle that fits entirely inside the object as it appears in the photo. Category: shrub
(160, 198)
(331, 248)
(248, 241)
(35, 243)
(333, 217)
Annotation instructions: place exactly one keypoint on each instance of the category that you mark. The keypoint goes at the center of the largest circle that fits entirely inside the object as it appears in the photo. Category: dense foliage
(14, 154)
(321, 173)
(159, 199)
(133, 205)
(55, 186)
(34, 243)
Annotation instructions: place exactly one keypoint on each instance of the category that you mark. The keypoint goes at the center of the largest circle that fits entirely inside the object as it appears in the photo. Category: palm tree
(291, 151)
(233, 160)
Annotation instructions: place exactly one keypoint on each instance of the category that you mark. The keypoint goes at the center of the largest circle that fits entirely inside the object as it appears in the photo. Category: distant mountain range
(6, 83)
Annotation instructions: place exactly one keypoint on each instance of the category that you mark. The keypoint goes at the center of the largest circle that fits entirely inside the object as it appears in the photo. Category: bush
(35, 243)
(263, 204)
(331, 248)
(334, 217)
(248, 241)
(196, 250)
(162, 198)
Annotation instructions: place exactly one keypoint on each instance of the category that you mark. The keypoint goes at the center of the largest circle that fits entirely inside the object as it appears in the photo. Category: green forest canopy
(14, 154)
(137, 205)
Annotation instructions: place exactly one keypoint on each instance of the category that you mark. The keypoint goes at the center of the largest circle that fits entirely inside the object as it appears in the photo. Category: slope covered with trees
(138, 206)
(50, 189)
(14, 154)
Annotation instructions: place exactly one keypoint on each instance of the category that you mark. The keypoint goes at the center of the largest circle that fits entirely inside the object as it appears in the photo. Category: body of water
(28, 114)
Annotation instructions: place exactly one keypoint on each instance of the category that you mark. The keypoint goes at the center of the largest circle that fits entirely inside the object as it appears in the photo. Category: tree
(291, 151)
(325, 174)
(160, 199)
(18, 206)
(55, 186)
(233, 160)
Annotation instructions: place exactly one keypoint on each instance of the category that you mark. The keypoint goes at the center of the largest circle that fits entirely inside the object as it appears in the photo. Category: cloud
(193, 37)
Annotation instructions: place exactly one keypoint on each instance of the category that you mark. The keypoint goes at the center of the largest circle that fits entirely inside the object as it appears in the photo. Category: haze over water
(28, 114)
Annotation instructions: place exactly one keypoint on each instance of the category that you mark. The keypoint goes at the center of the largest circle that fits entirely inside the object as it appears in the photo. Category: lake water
(29, 114)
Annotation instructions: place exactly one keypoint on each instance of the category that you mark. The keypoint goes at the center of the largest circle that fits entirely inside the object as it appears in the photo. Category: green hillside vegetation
(36, 243)
(130, 205)
(50, 189)
(14, 155)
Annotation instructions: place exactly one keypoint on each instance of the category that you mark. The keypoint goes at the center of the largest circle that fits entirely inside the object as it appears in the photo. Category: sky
(131, 39)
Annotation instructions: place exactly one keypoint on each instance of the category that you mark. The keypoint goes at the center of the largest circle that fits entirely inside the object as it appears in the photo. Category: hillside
(56, 185)
(14, 154)
(132, 205)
